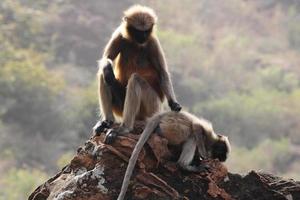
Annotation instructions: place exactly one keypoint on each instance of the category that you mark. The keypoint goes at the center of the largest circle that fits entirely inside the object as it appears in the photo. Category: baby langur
(181, 129)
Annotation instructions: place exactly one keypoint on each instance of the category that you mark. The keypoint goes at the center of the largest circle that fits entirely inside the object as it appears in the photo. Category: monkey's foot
(101, 125)
(110, 136)
(113, 133)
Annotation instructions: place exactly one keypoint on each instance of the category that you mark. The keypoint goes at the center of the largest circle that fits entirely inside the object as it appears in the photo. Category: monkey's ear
(125, 19)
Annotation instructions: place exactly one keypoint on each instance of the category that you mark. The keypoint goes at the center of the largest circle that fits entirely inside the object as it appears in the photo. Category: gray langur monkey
(184, 129)
(133, 74)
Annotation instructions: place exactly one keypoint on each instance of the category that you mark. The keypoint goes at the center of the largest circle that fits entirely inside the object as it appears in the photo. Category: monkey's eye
(138, 35)
(135, 31)
(148, 31)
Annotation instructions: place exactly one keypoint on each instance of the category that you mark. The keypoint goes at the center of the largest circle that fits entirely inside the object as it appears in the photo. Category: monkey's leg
(105, 102)
(200, 137)
(187, 155)
(139, 93)
(141, 101)
(111, 94)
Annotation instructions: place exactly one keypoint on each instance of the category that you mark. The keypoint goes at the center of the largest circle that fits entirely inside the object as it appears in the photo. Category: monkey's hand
(174, 106)
(109, 76)
(101, 125)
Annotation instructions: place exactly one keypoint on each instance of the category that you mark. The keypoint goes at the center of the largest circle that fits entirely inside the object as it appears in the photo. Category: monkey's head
(220, 148)
(138, 23)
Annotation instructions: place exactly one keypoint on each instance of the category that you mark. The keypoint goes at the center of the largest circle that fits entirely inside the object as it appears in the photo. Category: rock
(96, 173)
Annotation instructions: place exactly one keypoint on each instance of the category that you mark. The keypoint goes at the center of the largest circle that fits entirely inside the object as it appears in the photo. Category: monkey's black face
(220, 151)
(138, 35)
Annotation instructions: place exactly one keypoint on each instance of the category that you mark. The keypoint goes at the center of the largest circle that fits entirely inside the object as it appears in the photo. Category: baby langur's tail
(149, 129)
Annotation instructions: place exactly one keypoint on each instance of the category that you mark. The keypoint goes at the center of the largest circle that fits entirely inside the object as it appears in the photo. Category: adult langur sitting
(133, 74)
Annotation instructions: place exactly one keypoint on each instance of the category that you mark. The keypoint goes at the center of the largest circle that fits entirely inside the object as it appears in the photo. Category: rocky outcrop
(96, 173)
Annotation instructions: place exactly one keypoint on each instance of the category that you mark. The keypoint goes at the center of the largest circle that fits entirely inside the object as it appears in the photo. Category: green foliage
(179, 46)
(7, 155)
(276, 78)
(294, 32)
(64, 159)
(233, 41)
(178, 40)
(246, 118)
(19, 183)
(25, 71)
(269, 155)
(84, 109)
(29, 93)
(21, 25)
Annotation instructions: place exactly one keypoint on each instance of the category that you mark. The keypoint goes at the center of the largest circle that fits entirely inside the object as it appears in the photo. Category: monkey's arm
(200, 140)
(165, 80)
(112, 49)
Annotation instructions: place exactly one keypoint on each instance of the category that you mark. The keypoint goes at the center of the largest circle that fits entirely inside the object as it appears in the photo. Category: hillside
(97, 171)
(236, 63)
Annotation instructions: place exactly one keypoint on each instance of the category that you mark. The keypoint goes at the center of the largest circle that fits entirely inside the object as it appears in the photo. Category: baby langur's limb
(187, 155)
(199, 134)
(138, 94)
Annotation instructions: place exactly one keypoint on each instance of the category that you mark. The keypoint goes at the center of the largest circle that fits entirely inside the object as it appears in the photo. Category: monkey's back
(176, 127)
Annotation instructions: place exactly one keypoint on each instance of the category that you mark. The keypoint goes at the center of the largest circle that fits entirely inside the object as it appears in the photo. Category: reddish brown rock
(97, 171)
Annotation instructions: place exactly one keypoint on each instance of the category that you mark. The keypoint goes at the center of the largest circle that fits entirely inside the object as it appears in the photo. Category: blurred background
(235, 63)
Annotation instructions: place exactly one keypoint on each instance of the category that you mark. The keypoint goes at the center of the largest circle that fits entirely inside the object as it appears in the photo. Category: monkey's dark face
(138, 35)
(220, 150)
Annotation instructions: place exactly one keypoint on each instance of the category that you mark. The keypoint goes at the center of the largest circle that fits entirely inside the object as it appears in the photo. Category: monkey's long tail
(150, 127)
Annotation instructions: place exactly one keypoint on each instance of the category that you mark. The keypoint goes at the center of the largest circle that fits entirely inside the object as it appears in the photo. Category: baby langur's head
(139, 21)
(220, 148)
